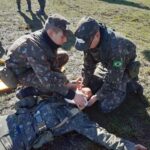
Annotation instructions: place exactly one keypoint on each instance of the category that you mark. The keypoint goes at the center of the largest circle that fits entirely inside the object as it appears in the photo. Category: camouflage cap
(58, 21)
(86, 30)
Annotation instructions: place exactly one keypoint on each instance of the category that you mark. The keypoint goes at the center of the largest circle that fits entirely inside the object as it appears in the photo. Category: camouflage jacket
(34, 53)
(114, 53)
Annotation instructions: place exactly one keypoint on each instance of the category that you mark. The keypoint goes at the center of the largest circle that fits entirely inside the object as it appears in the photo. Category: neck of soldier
(96, 41)
(52, 44)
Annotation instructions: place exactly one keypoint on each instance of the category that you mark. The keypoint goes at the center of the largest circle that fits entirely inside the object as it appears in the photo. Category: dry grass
(130, 17)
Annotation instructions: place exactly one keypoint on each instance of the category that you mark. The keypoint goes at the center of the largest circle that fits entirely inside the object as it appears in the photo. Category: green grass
(130, 17)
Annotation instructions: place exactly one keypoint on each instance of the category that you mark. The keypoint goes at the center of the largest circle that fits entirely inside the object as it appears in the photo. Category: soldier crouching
(35, 60)
(109, 63)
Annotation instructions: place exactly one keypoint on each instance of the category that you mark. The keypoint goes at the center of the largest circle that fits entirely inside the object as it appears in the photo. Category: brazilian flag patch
(117, 63)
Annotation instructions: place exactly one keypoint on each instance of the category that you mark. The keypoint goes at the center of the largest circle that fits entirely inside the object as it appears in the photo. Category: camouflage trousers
(17, 132)
(29, 79)
(114, 97)
(19, 4)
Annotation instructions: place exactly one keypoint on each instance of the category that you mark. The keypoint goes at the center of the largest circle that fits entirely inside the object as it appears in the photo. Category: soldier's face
(59, 38)
(95, 40)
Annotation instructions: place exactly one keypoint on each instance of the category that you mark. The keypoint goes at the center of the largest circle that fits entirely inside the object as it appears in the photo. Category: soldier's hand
(80, 100)
(92, 100)
(140, 147)
(71, 86)
(78, 82)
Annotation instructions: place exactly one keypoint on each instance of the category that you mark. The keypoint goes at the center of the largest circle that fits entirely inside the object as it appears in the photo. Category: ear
(50, 32)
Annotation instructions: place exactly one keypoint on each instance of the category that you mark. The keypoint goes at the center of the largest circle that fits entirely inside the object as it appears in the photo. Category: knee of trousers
(62, 58)
(108, 105)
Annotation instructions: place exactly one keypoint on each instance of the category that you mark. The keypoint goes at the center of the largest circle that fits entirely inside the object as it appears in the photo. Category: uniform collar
(102, 30)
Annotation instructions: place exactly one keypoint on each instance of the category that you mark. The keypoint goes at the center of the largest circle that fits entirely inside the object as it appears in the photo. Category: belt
(74, 112)
(41, 123)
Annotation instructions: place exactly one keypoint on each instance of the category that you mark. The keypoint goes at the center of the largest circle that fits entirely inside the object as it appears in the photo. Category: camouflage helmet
(86, 30)
(57, 21)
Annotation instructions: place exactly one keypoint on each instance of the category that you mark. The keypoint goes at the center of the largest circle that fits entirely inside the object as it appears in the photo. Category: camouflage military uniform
(106, 66)
(19, 4)
(35, 63)
(35, 60)
(22, 130)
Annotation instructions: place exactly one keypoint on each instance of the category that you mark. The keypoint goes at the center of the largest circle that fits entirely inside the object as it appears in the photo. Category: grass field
(130, 17)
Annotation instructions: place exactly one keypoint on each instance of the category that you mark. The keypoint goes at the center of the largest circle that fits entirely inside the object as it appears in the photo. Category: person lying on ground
(33, 127)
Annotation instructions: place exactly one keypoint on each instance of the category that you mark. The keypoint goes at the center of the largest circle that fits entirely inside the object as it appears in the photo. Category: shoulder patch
(117, 63)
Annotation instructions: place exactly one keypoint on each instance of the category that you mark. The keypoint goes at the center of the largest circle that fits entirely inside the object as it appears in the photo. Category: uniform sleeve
(88, 68)
(114, 78)
(50, 80)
